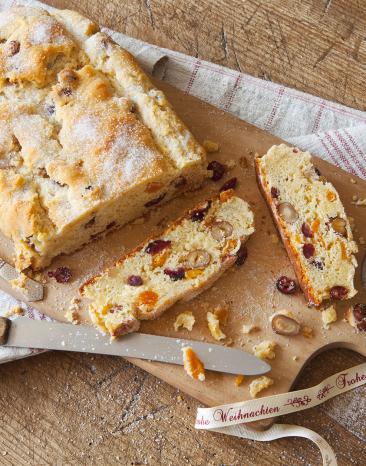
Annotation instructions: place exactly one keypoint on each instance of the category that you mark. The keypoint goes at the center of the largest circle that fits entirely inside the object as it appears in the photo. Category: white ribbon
(229, 418)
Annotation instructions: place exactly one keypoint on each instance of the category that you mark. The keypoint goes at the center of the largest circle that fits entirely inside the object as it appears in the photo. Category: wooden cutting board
(249, 291)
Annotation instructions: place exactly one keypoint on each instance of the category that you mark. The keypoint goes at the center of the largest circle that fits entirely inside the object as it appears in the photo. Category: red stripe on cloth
(361, 170)
(357, 147)
(270, 86)
(339, 153)
(192, 77)
(231, 95)
(331, 156)
(274, 110)
(318, 117)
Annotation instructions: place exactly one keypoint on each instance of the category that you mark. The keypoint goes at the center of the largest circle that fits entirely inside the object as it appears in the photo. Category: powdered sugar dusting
(85, 128)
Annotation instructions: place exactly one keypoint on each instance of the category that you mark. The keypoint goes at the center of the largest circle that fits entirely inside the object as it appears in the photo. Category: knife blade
(32, 290)
(26, 333)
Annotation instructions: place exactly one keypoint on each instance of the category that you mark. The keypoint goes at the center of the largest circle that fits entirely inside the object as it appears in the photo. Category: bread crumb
(214, 326)
(230, 164)
(353, 181)
(329, 316)
(239, 380)
(179, 398)
(249, 328)
(14, 311)
(351, 222)
(361, 240)
(360, 202)
(210, 146)
(295, 358)
(257, 385)
(265, 350)
(72, 313)
(308, 332)
(19, 282)
(192, 364)
(186, 320)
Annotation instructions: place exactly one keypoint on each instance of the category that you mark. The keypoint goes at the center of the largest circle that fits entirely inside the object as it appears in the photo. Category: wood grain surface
(83, 409)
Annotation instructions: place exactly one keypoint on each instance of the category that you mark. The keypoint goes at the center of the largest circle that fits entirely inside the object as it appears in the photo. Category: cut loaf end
(312, 222)
(178, 265)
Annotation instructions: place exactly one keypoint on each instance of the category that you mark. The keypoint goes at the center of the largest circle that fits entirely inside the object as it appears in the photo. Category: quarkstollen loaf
(87, 142)
(177, 265)
(312, 223)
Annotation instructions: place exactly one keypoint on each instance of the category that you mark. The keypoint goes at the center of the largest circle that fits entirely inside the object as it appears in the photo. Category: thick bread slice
(178, 265)
(312, 223)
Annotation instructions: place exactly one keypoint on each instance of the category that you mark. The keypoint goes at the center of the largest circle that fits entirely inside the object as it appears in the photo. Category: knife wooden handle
(4, 329)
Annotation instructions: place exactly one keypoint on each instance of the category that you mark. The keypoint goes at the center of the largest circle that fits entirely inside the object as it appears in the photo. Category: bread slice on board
(312, 222)
(177, 265)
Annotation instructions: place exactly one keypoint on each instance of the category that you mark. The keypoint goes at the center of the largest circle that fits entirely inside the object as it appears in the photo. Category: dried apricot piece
(192, 364)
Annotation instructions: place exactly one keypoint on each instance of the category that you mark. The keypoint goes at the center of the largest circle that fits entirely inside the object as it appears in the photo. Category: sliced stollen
(312, 222)
(177, 265)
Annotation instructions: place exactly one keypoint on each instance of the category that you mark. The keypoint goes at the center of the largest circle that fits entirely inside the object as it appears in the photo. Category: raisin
(50, 109)
(175, 274)
(286, 285)
(199, 214)
(155, 201)
(307, 231)
(338, 292)
(308, 250)
(66, 91)
(317, 171)
(13, 47)
(359, 311)
(157, 246)
(217, 169)
(318, 264)
(274, 192)
(241, 255)
(61, 274)
(230, 184)
(134, 280)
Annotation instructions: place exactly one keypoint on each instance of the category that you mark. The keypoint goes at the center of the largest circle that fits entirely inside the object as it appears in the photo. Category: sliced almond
(198, 259)
(288, 212)
(285, 325)
(339, 226)
(221, 230)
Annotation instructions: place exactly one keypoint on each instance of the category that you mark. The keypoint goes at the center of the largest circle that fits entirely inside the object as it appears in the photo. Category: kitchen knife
(26, 333)
(31, 290)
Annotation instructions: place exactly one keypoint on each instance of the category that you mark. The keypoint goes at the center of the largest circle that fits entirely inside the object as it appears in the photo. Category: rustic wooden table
(63, 408)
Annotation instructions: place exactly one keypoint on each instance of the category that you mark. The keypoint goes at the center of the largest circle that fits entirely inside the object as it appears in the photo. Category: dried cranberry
(175, 274)
(274, 192)
(286, 285)
(134, 280)
(157, 246)
(308, 250)
(218, 170)
(155, 201)
(199, 214)
(338, 292)
(61, 274)
(307, 231)
(295, 151)
(241, 255)
(230, 184)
